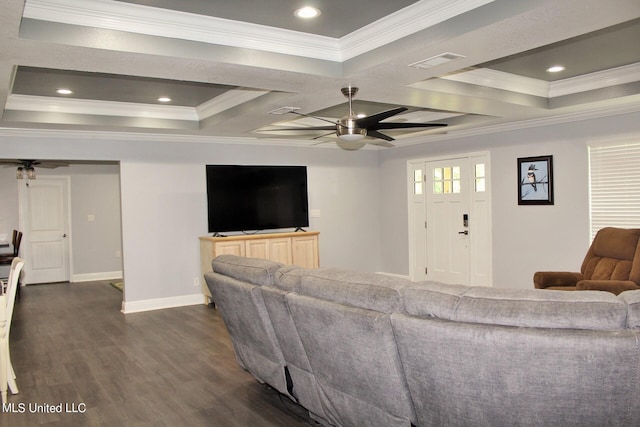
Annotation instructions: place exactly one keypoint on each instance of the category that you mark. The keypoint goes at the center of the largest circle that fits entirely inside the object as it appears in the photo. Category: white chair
(7, 374)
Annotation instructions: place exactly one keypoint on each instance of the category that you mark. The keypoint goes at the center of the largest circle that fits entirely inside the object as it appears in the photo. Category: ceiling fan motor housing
(348, 130)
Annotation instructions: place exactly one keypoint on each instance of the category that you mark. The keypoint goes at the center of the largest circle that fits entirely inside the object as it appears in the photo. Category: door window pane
(417, 181)
(446, 180)
(480, 178)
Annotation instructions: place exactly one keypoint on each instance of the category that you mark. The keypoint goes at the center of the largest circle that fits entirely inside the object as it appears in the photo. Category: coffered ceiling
(226, 65)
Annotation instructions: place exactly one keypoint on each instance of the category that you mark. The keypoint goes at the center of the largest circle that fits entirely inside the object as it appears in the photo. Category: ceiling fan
(25, 167)
(352, 129)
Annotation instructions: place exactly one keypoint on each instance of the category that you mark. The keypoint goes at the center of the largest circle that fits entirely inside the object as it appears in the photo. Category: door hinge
(425, 224)
(426, 270)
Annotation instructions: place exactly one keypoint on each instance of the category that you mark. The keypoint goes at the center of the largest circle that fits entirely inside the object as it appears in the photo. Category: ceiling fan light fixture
(350, 145)
(31, 173)
(351, 137)
(20, 173)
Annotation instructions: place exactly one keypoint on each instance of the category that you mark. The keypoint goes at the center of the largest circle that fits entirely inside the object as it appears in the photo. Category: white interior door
(449, 220)
(44, 219)
(447, 205)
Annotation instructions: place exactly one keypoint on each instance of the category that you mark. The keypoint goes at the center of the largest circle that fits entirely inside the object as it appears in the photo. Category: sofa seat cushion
(260, 272)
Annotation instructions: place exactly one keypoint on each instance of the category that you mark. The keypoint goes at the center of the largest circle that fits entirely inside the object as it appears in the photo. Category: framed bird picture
(535, 180)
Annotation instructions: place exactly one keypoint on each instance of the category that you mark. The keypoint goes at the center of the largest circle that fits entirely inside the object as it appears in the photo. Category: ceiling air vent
(436, 60)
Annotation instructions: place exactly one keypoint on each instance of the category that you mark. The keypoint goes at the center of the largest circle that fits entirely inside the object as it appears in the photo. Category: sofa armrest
(544, 279)
(613, 286)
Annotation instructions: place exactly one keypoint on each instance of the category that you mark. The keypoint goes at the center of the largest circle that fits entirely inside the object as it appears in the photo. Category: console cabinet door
(280, 250)
(234, 247)
(305, 251)
(258, 248)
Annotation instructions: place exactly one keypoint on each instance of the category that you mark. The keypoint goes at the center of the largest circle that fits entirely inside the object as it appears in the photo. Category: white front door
(450, 220)
(44, 217)
(447, 220)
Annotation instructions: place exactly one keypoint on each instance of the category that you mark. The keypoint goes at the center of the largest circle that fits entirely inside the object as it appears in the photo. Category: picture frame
(535, 180)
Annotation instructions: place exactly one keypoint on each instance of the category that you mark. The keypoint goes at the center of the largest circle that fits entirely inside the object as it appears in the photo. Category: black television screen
(249, 198)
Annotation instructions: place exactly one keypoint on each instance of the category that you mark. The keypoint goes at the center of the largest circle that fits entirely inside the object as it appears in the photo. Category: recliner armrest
(613, 286)
(545, 279)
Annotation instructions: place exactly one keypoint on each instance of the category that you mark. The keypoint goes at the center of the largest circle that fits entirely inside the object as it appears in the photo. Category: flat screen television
(254, 198)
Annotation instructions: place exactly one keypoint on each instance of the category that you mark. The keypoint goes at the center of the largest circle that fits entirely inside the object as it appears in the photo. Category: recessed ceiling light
(164, 99)
(555, 69)
(307, 12)
(63, 91)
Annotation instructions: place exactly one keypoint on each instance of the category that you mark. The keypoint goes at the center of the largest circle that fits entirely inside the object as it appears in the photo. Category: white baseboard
(161, 303)
(91, 277)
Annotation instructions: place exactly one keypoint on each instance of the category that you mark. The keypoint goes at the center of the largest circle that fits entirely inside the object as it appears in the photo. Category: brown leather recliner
(612, 264)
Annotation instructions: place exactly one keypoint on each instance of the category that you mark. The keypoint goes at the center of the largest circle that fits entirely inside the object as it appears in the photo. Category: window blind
(614, 186)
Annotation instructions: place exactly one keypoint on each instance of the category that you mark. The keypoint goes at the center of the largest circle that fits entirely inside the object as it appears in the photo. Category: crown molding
(512, 82)
(227, 100)
(209, 139)
(501, 80)
(406, 21)
(114, 15)
(99, 108)
(606, 78)
(526, 124)
(133, 18)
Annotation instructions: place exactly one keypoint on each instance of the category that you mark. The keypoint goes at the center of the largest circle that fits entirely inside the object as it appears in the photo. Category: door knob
(465, 232)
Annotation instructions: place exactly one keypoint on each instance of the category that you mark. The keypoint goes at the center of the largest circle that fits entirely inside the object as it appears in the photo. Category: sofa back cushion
(288, 278)
(533, 308)
(366, 290)
(613, 255)
(256, 271)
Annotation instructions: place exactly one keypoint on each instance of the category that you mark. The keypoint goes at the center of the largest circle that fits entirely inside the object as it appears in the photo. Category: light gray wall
(97, 244)
(525, 238)
(95, 189)
(361, 196)
(9, 197)
(163, 201)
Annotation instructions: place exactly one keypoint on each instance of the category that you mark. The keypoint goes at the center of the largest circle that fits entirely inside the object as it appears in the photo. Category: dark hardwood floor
(72, 349)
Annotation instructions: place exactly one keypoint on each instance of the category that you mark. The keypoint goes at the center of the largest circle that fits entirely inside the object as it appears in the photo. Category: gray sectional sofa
(360, 349)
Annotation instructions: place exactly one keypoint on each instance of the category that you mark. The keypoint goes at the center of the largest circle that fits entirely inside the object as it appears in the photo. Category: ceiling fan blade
(376, 134)
(313, 117)
(51, 165)
(392, 125)
(369, 121)
(322, 136)
(302, 128)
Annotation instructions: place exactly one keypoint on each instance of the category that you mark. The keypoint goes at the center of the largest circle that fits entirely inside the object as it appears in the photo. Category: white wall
(163, 201)
(525, 238)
